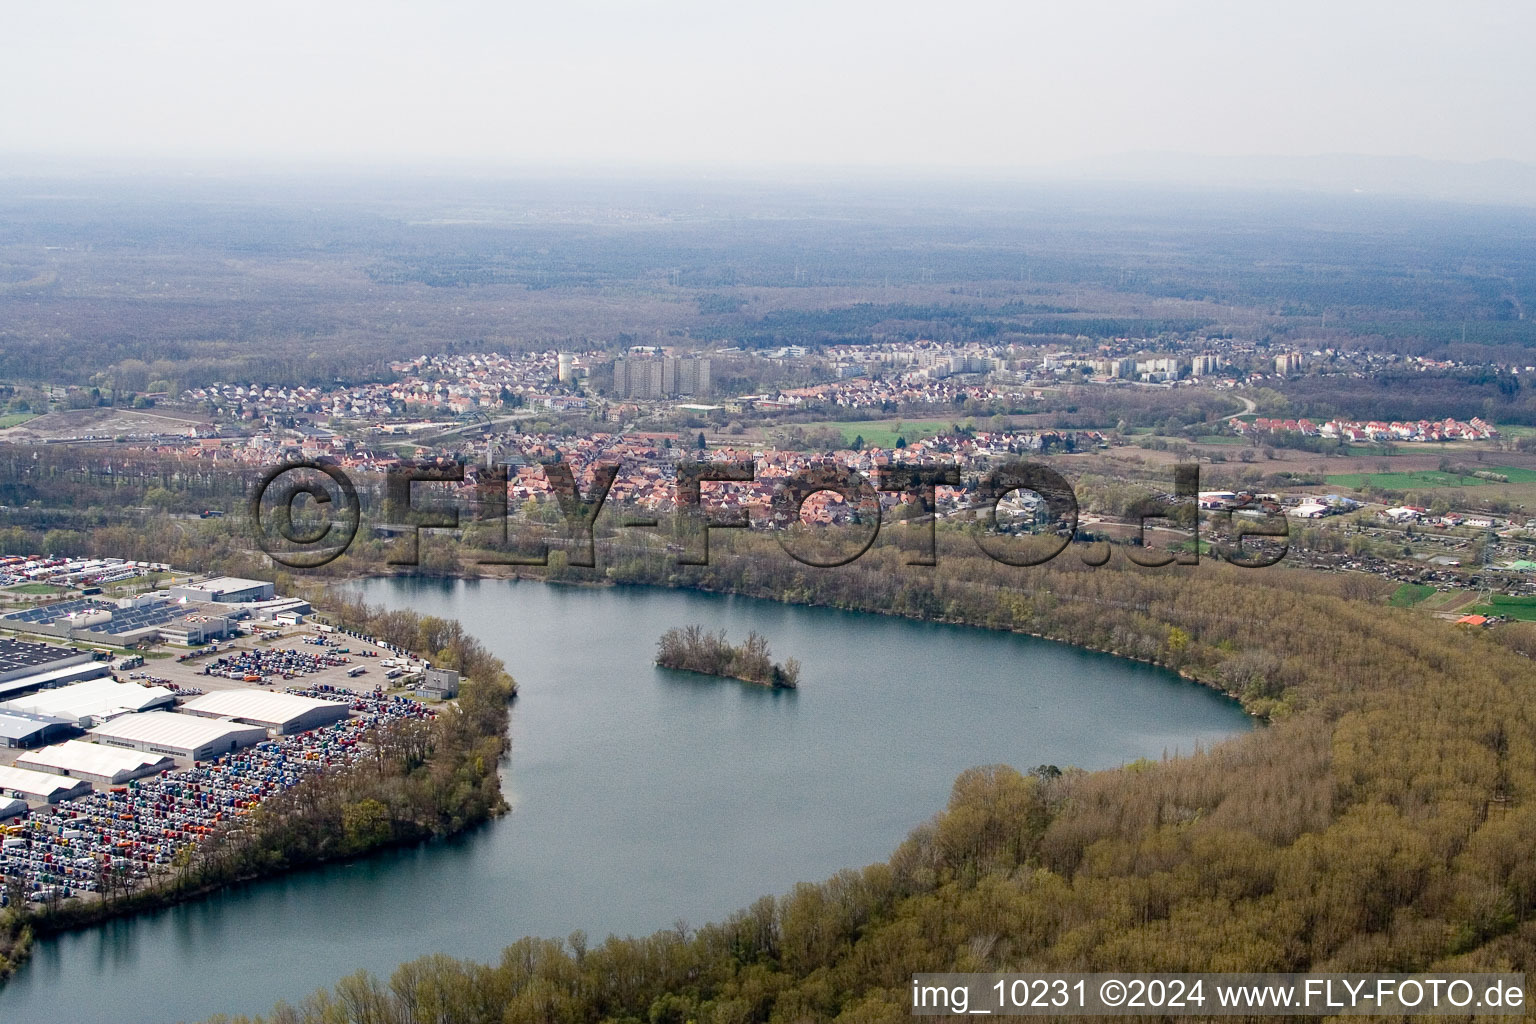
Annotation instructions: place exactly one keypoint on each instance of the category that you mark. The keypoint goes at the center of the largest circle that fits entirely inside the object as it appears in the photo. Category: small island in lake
(695, 649)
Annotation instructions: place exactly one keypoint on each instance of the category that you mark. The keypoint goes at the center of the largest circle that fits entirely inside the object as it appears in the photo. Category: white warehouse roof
(170, 731)
(220, 583)
(97, 699)
(37, 785)
(80, 759)
(265, 706)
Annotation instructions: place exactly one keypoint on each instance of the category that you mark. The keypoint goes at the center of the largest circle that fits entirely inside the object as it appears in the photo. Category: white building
(281, 714)
(164, 732)
(29, 785)
(95, 763)
(224, 590)
(93, 702)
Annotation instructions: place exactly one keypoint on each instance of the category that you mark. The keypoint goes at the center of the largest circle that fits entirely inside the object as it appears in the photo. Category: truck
(356, 671)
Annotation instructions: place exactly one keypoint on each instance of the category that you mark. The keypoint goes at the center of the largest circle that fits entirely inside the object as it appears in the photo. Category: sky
(966, 85)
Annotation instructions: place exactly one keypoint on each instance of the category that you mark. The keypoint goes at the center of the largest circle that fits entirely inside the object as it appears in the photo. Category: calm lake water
(640, 796)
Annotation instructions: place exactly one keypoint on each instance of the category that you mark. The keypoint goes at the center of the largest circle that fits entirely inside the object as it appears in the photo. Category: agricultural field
(66, 424)
(1409, 594)
(1430, 478)
(15, 419)
(882, 433)
(1522, 609)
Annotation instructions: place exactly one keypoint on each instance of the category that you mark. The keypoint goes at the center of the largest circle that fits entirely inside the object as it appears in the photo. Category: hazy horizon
(979, 88)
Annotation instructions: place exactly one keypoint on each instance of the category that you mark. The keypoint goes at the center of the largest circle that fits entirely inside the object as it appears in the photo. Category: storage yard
(163, 752)
(131, 832)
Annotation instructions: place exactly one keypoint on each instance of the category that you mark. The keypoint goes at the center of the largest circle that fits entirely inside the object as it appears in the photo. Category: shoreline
(526, 577)
(149, 901)
(724, 675)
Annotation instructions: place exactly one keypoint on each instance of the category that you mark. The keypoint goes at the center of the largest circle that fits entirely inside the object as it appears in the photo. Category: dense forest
(1411, 395)
(131, 284)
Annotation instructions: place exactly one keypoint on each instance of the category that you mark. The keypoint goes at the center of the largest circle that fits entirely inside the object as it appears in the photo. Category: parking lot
(290, 647)
(292, 651)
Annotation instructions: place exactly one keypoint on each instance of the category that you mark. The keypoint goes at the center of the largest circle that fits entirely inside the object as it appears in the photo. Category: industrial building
(439, 684)
(21, 658)
(29, 785)
(95, 763)
(224, 590)
(24, 729)
(281, 714)
(27, 666)
(192, 630)
(10, 808)
(93, 702)
(165, 732)
(54, 677)
(132, 620)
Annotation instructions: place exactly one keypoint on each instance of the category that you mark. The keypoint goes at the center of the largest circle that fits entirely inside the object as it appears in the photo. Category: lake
(640, 796)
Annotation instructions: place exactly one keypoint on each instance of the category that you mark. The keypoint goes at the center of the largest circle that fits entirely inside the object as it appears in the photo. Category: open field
(1430, 478)
(1449, 601)
(1409, 594)
(101, 423)
(1522, 609)
(45, 589)
(15, 419)
(882, 433)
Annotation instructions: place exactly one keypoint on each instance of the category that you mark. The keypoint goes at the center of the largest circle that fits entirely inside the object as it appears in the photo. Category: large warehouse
(29, 785)
(224, 590)
(24, 658)
(25, 665)
(281, 714)
(165, 732)
(95, 763)
(91, 703)
(53, 677)
(24, 729)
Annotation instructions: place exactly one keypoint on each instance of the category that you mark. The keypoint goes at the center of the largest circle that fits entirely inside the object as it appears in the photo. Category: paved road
(1252, 406)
